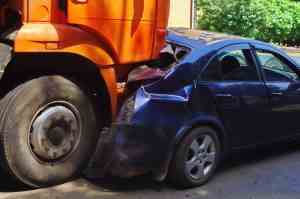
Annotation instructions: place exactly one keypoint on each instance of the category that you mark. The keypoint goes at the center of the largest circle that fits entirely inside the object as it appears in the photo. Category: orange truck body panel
(133, 30)
(112, 34)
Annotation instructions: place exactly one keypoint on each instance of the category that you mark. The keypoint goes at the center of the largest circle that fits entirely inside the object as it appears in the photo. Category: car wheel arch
(211, 122)
(215, 124)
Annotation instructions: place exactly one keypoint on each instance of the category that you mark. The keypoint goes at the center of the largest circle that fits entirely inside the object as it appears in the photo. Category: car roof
(203, 42)
(197, 39)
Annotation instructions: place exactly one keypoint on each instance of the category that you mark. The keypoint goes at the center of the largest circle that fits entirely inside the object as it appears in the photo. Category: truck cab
(62, 54)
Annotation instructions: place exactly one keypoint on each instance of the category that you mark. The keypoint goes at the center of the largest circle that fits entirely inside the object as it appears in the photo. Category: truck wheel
(48, 131)
(196, 158)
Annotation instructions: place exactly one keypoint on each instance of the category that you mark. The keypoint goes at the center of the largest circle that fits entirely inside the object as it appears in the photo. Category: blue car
(216, 96)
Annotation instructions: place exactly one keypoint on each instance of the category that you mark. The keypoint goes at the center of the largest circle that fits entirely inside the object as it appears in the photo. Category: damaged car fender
(153, 124)
(142, 145)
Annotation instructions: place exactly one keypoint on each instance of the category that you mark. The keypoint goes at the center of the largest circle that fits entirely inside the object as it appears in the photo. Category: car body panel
(163, 112)
(284, 101)
(137, 147)
(238, 103)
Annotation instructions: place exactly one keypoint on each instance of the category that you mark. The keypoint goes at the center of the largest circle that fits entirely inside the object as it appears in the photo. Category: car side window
(231, 65)
(275, 68)
(297, 59)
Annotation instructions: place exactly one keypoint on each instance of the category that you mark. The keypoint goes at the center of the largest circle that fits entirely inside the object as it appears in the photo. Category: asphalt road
(269, 173)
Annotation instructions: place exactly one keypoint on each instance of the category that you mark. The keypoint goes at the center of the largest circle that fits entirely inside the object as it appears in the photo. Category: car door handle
(225, 98)
(225, 95)
(227, 101)
(277, 94)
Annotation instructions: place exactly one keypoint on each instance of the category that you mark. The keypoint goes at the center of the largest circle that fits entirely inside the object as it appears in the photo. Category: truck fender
(58, 38)
(110, 79)
(43, 38)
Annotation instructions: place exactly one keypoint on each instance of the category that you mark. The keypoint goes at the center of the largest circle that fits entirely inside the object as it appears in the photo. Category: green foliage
(269, 20)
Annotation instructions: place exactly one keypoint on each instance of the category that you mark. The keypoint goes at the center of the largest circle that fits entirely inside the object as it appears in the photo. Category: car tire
(47, 131)
(194, 163)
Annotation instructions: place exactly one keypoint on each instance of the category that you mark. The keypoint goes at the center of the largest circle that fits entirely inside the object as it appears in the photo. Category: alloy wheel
(201, 157)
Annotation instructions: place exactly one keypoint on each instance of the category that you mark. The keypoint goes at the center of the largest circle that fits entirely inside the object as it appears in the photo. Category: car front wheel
(196, 158)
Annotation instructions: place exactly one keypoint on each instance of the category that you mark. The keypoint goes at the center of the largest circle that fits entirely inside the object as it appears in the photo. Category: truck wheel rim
(55, 132)
(201, 157)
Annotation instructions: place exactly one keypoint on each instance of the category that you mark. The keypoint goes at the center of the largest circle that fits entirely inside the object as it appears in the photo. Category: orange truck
(63, 64)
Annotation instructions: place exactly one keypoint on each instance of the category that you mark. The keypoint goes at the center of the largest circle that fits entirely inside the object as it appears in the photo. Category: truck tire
(48, 131)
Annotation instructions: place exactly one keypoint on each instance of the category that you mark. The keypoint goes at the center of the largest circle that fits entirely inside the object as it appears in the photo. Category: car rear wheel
(196, 158)
(48, 131)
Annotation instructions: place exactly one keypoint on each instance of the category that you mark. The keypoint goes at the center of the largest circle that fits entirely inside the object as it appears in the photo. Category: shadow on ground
(269, 172)
(245, 159)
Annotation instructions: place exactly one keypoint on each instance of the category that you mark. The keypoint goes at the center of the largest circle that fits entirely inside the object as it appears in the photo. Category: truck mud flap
(5, 57)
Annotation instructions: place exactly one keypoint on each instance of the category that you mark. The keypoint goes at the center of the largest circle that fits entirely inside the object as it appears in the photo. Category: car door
(241, 95)
(283, 83)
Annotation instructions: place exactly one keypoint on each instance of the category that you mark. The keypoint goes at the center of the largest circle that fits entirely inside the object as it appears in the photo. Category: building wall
(180, 13)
